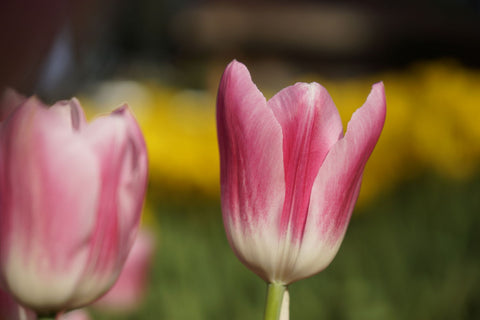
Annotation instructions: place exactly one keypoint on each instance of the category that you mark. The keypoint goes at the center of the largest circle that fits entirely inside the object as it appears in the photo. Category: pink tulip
(129, 289)
(289, 177)
(71, 195)
(79, 314)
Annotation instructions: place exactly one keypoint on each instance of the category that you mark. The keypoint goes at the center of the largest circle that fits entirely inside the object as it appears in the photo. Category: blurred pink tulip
(289, 177)
(71, 195)
(79, 314)
(128, 291)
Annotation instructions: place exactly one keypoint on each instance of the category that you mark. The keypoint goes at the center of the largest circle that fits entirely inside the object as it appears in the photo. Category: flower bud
(289, 176)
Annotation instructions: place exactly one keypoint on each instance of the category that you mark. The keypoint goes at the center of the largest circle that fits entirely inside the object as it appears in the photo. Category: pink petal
(38, 155)
(119, 145)
(343, 169)
(310, 126)
(250, 143)
(133, 176)
(337, 185)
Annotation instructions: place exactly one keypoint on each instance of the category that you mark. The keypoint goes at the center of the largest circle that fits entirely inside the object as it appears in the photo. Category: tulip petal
(252, 176)
(249, 142)
(133, 173)
(38, 155)
(311, 125)
(118, 143)
(337, 185)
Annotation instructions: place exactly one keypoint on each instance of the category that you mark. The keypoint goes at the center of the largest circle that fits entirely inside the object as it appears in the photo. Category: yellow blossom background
(433, 110)
(411, 250)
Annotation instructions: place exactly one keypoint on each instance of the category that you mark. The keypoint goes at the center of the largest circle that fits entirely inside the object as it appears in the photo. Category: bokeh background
(412, 248)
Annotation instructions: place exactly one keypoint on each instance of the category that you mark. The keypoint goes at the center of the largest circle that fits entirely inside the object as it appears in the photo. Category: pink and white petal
(252, 174)
(40, 156)
(123, 166)
(337, 185)
(311, 125)
(133, 175)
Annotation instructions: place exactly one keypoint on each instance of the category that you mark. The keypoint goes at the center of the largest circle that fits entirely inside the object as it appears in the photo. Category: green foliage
(413, 254)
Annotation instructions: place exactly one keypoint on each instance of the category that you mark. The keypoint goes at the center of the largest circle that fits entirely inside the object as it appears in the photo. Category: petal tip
(378, 85)
(122, 110)
(373, 111)
(378, 90)
(237, 68)
(236, 83)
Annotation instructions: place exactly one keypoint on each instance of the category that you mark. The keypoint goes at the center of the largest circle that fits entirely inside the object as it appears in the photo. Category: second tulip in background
(71, 195)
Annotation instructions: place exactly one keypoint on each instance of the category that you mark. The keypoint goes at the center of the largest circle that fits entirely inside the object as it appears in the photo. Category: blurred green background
(412, 248)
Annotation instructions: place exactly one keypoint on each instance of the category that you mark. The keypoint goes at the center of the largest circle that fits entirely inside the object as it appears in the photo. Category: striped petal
(118, 144)
(337, 185)
(310, 126)
(47, 217)
(252, 175)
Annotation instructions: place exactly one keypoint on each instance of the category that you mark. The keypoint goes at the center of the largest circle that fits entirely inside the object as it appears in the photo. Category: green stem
(274, 301)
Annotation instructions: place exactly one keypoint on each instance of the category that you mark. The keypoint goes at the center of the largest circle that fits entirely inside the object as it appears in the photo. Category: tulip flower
(71, 195)
(129, 289)
(289, 176)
